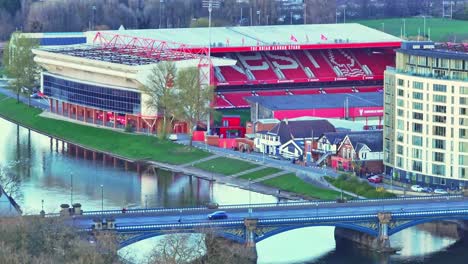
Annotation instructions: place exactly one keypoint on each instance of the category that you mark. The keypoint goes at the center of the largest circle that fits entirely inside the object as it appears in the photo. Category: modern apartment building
(426, 116)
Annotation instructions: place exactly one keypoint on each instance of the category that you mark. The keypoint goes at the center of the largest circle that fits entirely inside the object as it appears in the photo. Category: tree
(193, 100)
(159, 88)
(19, 64)
(9, 181)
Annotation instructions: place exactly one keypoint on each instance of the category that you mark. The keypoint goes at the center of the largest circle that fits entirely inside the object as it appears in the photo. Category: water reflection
(45, 173)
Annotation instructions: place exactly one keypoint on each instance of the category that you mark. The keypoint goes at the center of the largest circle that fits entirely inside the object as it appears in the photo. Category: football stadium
(99, 81)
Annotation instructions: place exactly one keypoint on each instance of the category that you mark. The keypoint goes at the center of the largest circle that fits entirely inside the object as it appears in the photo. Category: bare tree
(193, 99)
(159, 89)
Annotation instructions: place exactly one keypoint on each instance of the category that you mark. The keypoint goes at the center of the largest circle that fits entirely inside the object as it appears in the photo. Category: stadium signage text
(270, 48)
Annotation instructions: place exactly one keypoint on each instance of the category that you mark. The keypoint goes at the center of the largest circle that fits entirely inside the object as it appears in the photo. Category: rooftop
(297, 102)
(263, 35)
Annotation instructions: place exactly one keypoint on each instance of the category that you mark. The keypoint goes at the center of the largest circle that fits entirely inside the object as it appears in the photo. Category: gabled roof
(371, 138)
(288, 130)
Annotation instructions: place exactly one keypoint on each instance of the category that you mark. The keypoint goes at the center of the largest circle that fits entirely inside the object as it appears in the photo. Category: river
(48, 175)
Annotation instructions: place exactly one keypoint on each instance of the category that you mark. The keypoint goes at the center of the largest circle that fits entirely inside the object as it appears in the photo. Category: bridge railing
(261, 205)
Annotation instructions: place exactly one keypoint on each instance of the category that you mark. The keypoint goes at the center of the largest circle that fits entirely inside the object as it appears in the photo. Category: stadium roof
(317, 101)
(227, 38)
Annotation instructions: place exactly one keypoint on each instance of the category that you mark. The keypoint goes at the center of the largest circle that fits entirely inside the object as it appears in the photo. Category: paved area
(271, 176)
(200, 160)
(248, 171)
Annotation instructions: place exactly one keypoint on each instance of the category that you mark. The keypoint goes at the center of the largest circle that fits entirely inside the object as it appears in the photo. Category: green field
(440, 29)
(260, 173)
(127, 145)
(225, 166)
(291, 183)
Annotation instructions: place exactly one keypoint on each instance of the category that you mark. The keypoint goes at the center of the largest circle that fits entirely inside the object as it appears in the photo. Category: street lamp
(383, 27)
(258, 13)
(146, 201)
(250, 199)
(404, 28)
(71, 188)
(102, 200)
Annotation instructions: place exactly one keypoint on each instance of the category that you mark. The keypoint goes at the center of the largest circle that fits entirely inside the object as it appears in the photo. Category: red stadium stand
(237, 98)
(344, 63)
(271, 93)
(286, 64)
(257, 65)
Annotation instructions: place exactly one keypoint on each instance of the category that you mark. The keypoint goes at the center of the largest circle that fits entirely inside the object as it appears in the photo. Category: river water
(47, 175)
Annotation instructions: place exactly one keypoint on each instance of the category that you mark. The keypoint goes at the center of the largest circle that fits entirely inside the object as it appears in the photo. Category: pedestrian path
(200, 160)
(271, 176)
(248, 171)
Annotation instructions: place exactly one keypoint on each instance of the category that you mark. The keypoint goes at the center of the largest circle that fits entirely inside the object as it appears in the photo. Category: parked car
(417, 188)
(218, 215)
(35, 96)
(173, 137)
(440, 191)
(427, 189)
(375, 179)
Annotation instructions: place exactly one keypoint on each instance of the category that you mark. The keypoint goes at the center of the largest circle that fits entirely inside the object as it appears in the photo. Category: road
(198, 215)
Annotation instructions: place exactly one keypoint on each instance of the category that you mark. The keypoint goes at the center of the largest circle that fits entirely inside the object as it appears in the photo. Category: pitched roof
(371, 138)
(288, 130)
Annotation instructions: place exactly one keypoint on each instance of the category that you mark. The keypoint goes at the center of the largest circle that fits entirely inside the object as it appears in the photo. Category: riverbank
(159, 153)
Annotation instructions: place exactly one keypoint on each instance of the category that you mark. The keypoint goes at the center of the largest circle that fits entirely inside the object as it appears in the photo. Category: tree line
(82, 15)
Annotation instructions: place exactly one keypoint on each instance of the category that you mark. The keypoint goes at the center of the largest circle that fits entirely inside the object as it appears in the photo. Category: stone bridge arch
(399, 225)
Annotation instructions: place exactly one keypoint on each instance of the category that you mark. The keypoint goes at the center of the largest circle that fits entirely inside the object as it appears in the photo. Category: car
(427, 189)
(417, 188)
(217, 215)
(375, 179)
(173, 137)
(35, 96)
(440, 191)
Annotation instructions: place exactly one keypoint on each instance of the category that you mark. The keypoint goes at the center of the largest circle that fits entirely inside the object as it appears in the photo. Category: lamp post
(404, 28)
(71, 188)
(258, 13)
(146, 201)
(102, 200)
(383, 27)
(250, 199)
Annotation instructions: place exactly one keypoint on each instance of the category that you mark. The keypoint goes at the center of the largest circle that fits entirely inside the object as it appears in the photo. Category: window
(400, 149)
(418, 95)
(400, 102)
(417, 127)
(399, 162)
(438, 156)
(463, 100)
(439, 98)
(463, 89)
(440, 109)
(439, 119)
(462, 132)
(401, 82)
(438, 143)
(400, 137)
(417, 153)
(112, 99)
(463, 111)
(439, 88)
(438, 131)
(438, 169)
(463, 160)
(417, 141)
(418, 106)
(418, 85)
(400, 112)
(400, 124)
(418, 116)
(417, 165)
(401, 92)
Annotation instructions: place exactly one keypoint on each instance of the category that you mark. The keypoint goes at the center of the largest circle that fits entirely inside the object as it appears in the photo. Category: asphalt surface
(280, 212)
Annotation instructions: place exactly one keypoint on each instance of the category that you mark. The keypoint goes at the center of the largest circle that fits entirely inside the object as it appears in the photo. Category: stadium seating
(344, 62)
(267, 67)
(237, 98)
(221, 102)
(271, 93)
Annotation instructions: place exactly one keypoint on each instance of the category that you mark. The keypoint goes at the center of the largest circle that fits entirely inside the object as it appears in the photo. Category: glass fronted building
(114, 99)
(426, 116)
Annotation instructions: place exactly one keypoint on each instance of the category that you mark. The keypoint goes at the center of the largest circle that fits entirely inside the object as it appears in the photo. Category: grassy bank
(441, 29)
(128, 145)
(260, 173)
(225, 166)
(353, 184)
(291, 183)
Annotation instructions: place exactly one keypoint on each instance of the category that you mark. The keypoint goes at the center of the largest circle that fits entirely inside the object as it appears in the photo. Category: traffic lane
(318, 211)
(288, 207)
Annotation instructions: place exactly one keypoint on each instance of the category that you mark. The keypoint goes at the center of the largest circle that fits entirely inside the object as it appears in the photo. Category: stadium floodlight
(210, 4)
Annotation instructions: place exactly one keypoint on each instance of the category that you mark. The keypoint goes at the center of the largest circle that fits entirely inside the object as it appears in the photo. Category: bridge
(375, 219)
